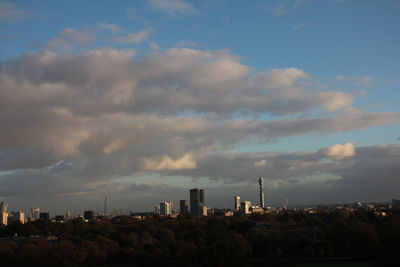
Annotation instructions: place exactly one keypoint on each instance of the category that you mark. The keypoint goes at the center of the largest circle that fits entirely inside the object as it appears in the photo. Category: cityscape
(196, 206)
(199, 133)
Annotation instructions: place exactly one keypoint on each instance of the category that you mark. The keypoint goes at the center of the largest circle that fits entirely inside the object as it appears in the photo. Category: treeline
(280, 239)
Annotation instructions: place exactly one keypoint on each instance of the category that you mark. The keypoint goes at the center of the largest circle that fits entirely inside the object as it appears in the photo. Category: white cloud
(339, 151)
(9, 12)
(173, 7)
(261, 163)
(167, 163)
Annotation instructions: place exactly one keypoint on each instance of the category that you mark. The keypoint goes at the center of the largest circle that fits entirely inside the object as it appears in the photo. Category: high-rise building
(197, 201)
(4, 217)
(3, 213)
(35, 213)
(184, 207)
(3, 207)
(20, 216)
(237, 202)
(165, 208)
(261, 183)
(246, 207)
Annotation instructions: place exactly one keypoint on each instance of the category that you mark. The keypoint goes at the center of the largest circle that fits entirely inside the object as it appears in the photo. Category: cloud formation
(339, 151)
(73, 123)
(173, 7)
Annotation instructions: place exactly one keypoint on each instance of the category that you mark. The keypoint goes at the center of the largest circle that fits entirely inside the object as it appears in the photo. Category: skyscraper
(184, 209)
(237, 202)
(246, 207)
(35, 212)
(261, 183)
(3, 213)
(166, 208)
(196, 201)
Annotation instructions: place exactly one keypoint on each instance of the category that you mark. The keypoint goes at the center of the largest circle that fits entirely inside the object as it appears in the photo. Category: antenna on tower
(105, 205)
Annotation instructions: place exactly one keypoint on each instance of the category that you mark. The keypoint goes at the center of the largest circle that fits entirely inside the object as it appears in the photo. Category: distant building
(157, 209)
(237, 203)
(202, 211)
(197, 201)
(3, 213)
(45, 216)
(4, 217)
(20, 216)
(12, 216)
(245, 207)
(68, 215)
(116, 212)
(165, 208)
(88, 215)
(184, 207)
(396, 203)
(35, 213)
(3, 207)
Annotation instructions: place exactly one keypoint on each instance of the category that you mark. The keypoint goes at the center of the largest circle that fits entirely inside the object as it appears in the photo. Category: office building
(157, 209)
(44, 216)
(197, 201)
(4, 217)
(3, 207)
(261, 183)
(88, 215)
(35, 213)
(246, 207)
(3, 213)
(184, 207)
(237, 203)
(20, 216)
(165, 208)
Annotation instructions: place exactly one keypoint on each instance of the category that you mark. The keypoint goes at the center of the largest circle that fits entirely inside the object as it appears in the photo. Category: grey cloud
(76, 122)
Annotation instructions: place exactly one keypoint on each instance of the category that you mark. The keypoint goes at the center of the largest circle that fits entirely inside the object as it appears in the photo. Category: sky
(143, 100)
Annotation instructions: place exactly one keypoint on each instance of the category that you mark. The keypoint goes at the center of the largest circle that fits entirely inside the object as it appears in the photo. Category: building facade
(165, 208)
(246, 205)
(237, 203)
(197, 201)
(183, 207)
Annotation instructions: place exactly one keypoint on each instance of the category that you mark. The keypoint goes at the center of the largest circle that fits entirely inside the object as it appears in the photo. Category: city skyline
(139, 101)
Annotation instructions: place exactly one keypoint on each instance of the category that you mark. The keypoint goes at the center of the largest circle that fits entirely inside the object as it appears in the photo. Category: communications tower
(261, 183)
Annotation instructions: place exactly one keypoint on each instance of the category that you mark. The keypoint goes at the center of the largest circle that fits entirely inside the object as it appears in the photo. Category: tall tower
(197, 201)
(237, 202)
(261, 183)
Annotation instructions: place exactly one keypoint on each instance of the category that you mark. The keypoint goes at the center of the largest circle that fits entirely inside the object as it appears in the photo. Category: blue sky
(157, 92)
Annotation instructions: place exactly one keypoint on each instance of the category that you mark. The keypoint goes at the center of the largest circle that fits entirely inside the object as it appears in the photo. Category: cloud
(134, 38)
(111, 27)
(339, 151)
(285, 7)
(166, 163)
(9, 12)
(74, 123)
(261, 163)
(173, 7)
(69, 36)
(364, 81)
